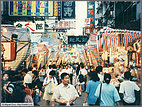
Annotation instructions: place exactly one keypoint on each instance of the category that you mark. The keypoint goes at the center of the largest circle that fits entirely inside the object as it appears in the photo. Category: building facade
(123, 15)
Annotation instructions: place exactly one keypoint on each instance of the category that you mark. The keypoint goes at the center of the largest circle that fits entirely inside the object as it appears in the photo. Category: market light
(5, 29)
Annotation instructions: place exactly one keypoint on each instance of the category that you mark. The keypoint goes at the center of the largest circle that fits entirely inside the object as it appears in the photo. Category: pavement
(78, 102)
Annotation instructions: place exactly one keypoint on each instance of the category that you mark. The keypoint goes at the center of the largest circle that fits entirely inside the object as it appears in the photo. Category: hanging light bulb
(5, 29)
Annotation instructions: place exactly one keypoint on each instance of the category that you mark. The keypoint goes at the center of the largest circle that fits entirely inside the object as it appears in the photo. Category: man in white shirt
(127, 90)
(27, 77)
(65, 93)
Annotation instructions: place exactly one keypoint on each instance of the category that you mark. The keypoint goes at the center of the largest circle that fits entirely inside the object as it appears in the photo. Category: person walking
(100, 73)
(36, 84)
(47, 84)
(109, 94)
(70, 71)
(91, 88)
(29, 92)
(65, 93)
(83, 72)
(42, 74)
(127, 90)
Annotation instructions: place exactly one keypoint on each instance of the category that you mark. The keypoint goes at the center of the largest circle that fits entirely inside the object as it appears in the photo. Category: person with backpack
(4, 82)
(91, 89)
(49, 83)
(79, 83)
(83, 72)
(14, 91)
(107, 93)
(7, 89)
(36, 84)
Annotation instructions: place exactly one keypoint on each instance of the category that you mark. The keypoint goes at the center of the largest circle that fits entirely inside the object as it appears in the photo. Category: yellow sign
(33, 8)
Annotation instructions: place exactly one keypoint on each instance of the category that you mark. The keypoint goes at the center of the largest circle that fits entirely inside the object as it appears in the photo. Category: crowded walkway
(41, 86)
(70, 53)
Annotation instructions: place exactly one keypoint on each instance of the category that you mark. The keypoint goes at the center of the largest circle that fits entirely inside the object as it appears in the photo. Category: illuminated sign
(33, 8)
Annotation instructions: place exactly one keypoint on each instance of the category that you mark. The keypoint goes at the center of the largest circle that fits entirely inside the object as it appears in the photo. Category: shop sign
(91, 13)
(87, 30)
(68, 10)
(77, 39)
(87, 22)
(38, 26)
(70, 50)
(66, 24)
(91, 30)
(59, 9)
(50, 24)
(33, 8)
(95, 30)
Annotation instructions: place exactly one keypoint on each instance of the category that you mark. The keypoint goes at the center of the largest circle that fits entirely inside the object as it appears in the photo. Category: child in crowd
(29, 92)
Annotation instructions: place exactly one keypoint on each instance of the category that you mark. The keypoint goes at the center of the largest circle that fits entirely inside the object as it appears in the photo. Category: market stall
(116, 42)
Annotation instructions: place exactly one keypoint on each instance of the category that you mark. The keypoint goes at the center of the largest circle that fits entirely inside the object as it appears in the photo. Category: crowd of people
(63, 84)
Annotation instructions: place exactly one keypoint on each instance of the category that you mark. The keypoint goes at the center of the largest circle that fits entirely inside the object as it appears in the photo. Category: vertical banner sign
(59, 9)
(68, 9)
(55, 8)
(33, 8)
(91, 13)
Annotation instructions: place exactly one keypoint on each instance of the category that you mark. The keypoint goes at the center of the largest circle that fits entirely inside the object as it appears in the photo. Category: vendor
(105, 57)
(130, 50)
(137, 48)
(114, 79)
(116, 67)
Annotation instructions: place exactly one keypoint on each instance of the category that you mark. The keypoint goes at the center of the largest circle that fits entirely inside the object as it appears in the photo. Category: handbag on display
(99, 98)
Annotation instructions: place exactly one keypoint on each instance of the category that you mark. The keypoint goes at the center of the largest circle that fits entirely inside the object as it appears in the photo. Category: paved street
(78, 102)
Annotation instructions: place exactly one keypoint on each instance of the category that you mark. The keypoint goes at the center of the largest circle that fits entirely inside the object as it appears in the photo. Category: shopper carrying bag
(99, 98)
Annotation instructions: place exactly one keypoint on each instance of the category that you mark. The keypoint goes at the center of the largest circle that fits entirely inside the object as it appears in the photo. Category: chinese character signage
(87, 30)
(33, 8)
(66, 24)
(59, 8)
(38, 26)
(68, 9)
(87, 22)
(91, 30)
(91, 13)
(95, 30)
(77, 39)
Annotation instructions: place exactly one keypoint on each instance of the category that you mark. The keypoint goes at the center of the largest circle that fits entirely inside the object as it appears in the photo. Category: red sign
(95, 30)
(87, 30)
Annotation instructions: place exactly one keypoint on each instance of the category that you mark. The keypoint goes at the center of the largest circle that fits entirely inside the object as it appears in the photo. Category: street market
(62, 55)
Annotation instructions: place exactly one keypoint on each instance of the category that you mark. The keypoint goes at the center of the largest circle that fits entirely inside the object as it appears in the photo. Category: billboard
(38, 26)
(77, 39)
(91, 13)
(68, 10)
(33, 8)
